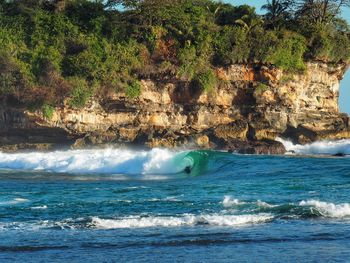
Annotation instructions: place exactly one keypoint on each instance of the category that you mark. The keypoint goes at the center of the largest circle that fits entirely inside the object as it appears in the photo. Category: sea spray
(329, 209)
(319, 147)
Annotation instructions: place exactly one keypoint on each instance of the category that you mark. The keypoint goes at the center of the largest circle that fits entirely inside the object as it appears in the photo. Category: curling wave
(319, 147)
(107, 161)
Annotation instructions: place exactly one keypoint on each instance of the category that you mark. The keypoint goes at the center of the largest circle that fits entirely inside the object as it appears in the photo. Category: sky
(344, 100)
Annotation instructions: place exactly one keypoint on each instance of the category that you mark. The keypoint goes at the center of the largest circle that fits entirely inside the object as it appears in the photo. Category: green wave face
(193, 163)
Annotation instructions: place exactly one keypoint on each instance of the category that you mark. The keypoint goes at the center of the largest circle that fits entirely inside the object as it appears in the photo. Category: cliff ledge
(251, 106)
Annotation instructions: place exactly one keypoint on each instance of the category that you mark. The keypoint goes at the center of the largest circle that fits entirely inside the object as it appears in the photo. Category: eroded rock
(251, 106)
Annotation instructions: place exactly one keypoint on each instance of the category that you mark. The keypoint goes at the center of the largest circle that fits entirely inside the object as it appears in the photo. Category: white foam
(230, 201)
(264, 204)
(184, 220)
(41, 207)
(329, 209)
(319, 147)
(141, 221)
(14, 201)
(166, 199)
(102, 161)
(23, 225)
(122, 201)
(135, 187)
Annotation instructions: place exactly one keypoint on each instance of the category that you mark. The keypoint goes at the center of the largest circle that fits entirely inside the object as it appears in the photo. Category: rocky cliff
(250, 107)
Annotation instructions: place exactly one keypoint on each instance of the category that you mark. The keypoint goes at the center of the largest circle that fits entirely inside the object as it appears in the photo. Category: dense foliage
(65, 51)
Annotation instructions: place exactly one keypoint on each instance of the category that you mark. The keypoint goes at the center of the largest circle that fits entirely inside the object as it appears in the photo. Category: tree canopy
(65, 51)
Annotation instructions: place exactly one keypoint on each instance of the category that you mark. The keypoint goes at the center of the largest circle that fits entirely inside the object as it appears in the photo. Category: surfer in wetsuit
(339, 155)
(188, 169)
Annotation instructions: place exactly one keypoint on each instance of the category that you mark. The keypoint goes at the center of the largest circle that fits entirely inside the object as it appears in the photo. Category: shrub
(47, 111)
(14, 77)
(231, 46)
(263, 44)
(45, 59)
(9, 74)
(289, 53)
(329, 45)
(86, 62)
(125, 56)
(286, 78)
(133, 90)
(340, 48)
(164, 66)
(205, 80)
(261, 88)
(122, 60)
(80, 92)
(320, 46)
(188, 62)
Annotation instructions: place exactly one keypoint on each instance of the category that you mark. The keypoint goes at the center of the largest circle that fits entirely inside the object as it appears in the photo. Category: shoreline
(331, 148)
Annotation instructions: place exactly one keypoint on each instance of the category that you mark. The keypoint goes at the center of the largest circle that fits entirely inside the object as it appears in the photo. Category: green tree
(277, 11)
(319, 12)
(56, 51)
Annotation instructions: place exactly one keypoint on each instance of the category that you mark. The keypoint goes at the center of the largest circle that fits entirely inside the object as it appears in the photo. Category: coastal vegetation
(66, 51)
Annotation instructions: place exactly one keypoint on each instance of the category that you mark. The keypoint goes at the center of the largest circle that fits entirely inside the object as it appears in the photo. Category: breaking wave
(141, 222)
(107, 161)
(304, 209)
(319, 147)
(328, 209)
(185, 220)
(245, 213)
(230, 201)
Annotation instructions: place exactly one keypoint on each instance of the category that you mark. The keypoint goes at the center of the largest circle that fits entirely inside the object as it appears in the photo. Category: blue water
(71, 207)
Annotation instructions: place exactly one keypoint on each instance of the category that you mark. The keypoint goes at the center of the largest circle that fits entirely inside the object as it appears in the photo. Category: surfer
(188, 169)
(339, 155)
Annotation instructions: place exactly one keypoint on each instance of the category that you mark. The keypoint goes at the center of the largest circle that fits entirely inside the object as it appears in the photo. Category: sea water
(120, 205)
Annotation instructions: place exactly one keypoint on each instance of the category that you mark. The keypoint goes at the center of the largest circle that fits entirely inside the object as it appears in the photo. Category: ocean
(123, 205)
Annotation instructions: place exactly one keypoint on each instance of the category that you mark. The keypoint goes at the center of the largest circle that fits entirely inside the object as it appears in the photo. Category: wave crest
(329, 209)
(230, 201)
(184, 220)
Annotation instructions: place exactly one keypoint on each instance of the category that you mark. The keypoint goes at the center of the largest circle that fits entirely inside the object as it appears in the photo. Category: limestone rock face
(251, 103)
(234, 130)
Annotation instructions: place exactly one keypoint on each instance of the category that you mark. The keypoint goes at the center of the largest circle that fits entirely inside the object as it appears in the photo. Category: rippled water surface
(133, 206)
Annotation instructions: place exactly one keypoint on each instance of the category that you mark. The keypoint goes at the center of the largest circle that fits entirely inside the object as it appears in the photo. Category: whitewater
(101, 161)
(163, 205)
